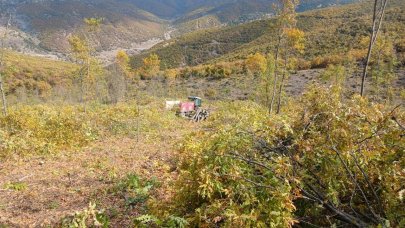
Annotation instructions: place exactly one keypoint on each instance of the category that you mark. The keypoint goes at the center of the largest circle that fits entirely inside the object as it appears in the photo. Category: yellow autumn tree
(256, 64)
(82, 52)
(119, 77)
(286, 18)
(122, 61)
(295, 40)
(293, 44)
(150, 67)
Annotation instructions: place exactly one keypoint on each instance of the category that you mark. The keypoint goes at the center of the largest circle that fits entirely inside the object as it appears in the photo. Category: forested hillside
(122, 25)
(44, 26)
(36, 77)
(331, 33)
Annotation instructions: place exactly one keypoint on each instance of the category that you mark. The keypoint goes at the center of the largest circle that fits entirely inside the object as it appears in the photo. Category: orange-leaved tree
(150, 67)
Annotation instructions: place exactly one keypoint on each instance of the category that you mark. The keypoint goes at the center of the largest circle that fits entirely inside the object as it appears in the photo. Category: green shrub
(137, 190)
(216, 190)
(43, 129)
(218, 71)
(88, 217)
(324, 61)
(323, 156)
(16, 186)
(48, 129)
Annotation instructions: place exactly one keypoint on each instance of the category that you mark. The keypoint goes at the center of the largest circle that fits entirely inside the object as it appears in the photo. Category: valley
(42, 27)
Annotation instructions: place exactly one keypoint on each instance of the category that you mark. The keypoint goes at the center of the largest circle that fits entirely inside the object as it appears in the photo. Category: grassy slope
(53, 21)
(329, 31)
(36, 74)
(198, 47)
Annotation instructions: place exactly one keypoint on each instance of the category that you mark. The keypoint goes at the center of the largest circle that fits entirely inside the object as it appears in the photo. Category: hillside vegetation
(44, 26)
(301, 123)
(240, 168)
(123, 22)
(332, 32)
(28, 76)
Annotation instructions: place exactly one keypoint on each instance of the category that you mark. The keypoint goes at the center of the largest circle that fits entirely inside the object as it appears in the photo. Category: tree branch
(357, 185)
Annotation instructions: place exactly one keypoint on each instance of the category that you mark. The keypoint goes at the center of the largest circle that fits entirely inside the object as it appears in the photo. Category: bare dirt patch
(55, 187)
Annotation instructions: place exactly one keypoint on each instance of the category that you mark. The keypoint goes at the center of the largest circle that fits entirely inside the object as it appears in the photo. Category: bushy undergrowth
(48, 129)
(330, 31)
(43, 129)
(214, 188)
(324, 161)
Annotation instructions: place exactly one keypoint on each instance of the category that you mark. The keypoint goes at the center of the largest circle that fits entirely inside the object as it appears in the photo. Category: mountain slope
(329, 31)
(123, 22)
(27, 75)
(127, 23)
(226, 10)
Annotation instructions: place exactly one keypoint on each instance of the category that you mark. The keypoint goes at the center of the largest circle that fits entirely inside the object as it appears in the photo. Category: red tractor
(192, 109)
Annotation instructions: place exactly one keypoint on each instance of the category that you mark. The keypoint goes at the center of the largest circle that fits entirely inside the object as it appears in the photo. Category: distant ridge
(127, 22)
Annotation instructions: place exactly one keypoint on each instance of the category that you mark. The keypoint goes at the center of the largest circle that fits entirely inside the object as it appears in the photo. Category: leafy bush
(215, 189)
(136, 190)
(43, 129)
(215, 71)
(303, 64)
(170, 221)
(47, 129)
(325, 162)
(16, 186)
(118, 119)
(324, 61)
(256, 64)
(218, 71)
(150, 67)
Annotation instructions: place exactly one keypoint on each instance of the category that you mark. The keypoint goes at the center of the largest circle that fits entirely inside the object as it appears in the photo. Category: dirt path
(58, 186)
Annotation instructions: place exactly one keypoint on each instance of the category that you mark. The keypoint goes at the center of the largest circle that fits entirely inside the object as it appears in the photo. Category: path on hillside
(58, 186)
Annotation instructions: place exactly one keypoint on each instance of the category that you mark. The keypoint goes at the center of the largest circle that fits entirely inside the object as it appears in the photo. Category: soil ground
(241, 87)
(57, 186)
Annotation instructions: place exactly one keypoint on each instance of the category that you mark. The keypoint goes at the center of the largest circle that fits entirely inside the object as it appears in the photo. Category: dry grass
(55, 187)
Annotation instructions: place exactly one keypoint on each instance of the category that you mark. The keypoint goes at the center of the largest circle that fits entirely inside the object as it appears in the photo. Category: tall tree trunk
(378, 15)
(3, 96)
(267, 91)
(377, 79)
(88, 78)
(282, 84)
(275, 72)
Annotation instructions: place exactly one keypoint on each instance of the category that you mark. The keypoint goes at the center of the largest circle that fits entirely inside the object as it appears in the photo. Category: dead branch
(357, 185)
